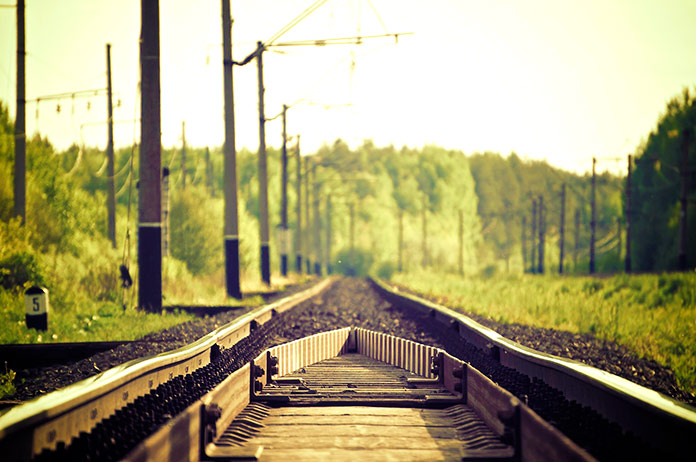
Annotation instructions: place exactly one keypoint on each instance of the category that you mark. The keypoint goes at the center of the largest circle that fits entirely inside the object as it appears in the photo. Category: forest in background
(459, 213)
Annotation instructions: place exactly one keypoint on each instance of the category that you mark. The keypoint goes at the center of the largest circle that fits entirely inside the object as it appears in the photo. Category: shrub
(385, 270)
(19, 269)
(354, 262)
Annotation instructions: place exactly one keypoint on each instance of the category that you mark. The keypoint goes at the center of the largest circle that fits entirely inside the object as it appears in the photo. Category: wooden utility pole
(562, 230)
(110, 170)
(307, 247)
(683, 198)
(298, 232)
(20, 135)
(461, 242)
(593, 221)
(628, 217)
(284, 198)
(231, 229)
(328, 234)
(183, 154)
(263, 175)
(540, 267)
(149, 191)
(534, 236)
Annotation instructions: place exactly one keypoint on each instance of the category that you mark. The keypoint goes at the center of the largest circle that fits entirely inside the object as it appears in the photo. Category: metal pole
(461, 242)
(540, 268)
(425, 234)
(165, 212)
(628, 217)
(284, 198)
(401, 239)
(593, 221)
(183, 154)
(328, 234)
(577, 238)
(263, 176)
(231, 230)
(298, 232)
(209, 173)
(532, 266)
(562, 229)
(307, 248)
(683, 198)
(149, 193)
(524, 243)
(110, 171)
(319, 257)
(20, 151)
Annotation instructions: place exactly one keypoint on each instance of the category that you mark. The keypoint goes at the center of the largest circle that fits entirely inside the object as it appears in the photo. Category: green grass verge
(653, 315)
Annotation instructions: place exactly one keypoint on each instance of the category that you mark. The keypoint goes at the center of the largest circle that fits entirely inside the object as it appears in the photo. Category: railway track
(229, 396)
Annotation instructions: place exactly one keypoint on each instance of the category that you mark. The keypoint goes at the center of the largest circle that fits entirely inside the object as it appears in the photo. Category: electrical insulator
(58, 108)
(89, 105)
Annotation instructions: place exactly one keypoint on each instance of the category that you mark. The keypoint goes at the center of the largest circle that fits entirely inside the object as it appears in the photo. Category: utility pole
(307, 249)
(110, 170)
(425, 234)
(319, 257)
(298, 233)
(20, 135)
(401, 239)
(524, 243)
(541, 235)
(149, 193)
(165, 212)
(577, 238)
(209, 173)
(263, 175)
(183, 155)
(461, 242)
(229, 152)
(328, 234)
(562, 229)
(618, 233)
(284, 199)
(534, 247)
(683, 198)
(593, 221)
(628, 217)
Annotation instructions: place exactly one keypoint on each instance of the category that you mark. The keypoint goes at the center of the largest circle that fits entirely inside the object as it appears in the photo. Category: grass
(653, 315)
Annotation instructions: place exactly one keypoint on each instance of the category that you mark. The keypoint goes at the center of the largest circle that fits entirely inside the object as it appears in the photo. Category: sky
(555, 80)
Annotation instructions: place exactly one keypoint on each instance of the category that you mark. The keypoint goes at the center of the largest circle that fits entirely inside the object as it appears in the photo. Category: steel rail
(202, 432)
(39, 424)
(667, 423)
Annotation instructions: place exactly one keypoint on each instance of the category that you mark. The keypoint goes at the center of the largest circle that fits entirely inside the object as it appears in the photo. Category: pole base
(266, 264)
(150, 268)
(232, 268)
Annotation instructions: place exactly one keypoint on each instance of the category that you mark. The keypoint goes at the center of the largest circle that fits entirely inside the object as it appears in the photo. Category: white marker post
(36, 302)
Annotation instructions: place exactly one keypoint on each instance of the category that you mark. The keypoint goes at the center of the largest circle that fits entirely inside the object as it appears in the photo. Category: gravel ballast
(354, 302)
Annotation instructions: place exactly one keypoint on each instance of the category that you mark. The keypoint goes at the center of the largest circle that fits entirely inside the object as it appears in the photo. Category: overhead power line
(311, 9)
(357, 40)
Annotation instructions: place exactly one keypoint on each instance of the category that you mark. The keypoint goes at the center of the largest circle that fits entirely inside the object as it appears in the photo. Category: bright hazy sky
(558, 80)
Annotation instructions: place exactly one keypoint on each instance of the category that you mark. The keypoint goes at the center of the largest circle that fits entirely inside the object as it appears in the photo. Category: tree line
(403, 208)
